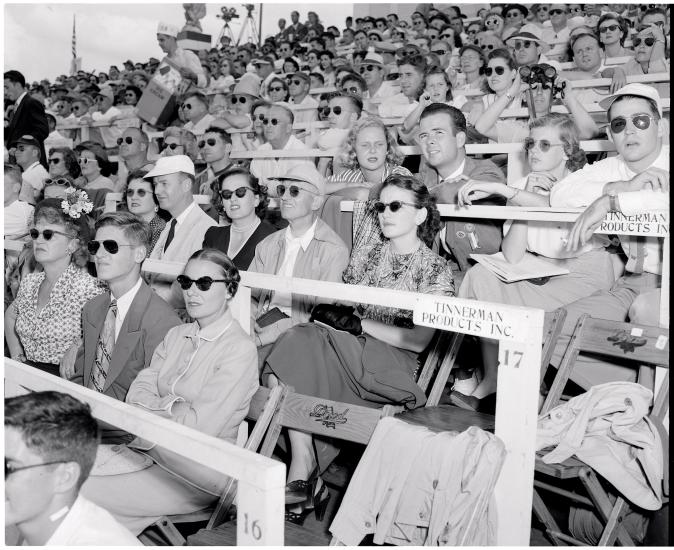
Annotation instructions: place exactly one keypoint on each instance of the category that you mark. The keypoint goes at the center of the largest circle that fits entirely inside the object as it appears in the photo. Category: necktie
(171, 233)
(640, 255)
(106, 343)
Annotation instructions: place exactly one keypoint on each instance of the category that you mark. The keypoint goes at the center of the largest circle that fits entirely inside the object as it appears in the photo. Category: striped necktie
(106, 343)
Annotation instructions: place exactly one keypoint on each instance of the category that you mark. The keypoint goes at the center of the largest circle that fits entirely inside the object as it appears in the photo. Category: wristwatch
(613, 203)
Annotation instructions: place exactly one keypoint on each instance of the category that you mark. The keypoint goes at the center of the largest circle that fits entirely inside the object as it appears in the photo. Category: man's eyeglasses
(439, 52)
(393, 206)
(512, 14)
(140, 192)
(187, 106)
(498, 70)
(526, 44)
(240, 192)
(272, 121)
(84, 161)
(351, 90)
(109, 245)
(543, 144)
(203, 283)
(210, 141)
(276, 89)
(489, 47)
(99, 99)
(127, 139)
(57, 181)
(9, 470)
(556, 11)
(649, 41)
(54, 161)
(238, 99)
(325, 111)
(172, 146)
(293, 190)
(368, 68)
(47, 234)
(608, 28)
(295, 81)
(640, 122)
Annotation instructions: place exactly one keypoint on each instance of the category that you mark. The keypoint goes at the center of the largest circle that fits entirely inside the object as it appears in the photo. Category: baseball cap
(28, 140)
(373, 59)
(107, 92)
(305, 173)
(637, 89)
(171, 165)
(168, 29)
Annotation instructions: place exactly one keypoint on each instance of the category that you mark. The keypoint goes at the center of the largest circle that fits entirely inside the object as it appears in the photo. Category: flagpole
(73, 50)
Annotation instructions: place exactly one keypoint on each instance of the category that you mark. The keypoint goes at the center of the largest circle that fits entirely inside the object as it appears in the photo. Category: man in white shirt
(558, 31)
(173, 178)
(373, 72)
(635, 181)
(187, 62)
(278, 132)
(527, 46)
(411, 69)
(51, 441)
(195, 110)
(298, 89)
(27, 154)
(105, 112)
(18, 213)
(133, 147)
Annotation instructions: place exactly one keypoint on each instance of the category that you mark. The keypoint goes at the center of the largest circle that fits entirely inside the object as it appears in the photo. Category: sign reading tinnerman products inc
(501, 322)
(647, 224)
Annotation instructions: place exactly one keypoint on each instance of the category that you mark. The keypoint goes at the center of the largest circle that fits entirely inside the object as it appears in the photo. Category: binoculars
(542, 74)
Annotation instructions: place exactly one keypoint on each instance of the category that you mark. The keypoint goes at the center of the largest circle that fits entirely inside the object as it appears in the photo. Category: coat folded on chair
(608, 429)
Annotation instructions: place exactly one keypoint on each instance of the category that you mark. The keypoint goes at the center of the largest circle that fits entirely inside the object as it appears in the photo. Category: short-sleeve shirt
(47, 334)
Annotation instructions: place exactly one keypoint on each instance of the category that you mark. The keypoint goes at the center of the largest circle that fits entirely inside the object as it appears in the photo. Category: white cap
(168, 29)
(373, 59)
(171, 165)
(637, 89)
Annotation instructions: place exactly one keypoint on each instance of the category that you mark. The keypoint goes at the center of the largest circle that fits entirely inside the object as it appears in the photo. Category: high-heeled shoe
(486, 404)
(301, 490)
(319, 505)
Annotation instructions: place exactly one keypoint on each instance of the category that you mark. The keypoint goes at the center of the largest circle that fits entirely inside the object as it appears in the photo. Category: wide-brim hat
(531, 33)
(171, 165)
(373, 59)
(305, 173)
(248, 84)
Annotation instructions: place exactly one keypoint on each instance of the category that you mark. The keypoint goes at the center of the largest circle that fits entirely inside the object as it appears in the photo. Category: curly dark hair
(219, 258)
(70, 160)
(258, 189)
(568, 135)
(422, 199)
(622, 23)
(50, 211)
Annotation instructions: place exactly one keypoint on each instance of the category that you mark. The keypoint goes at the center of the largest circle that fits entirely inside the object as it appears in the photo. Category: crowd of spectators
(77, 304)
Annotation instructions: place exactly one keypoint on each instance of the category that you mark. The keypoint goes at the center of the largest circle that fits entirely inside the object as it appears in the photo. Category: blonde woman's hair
(348, 155)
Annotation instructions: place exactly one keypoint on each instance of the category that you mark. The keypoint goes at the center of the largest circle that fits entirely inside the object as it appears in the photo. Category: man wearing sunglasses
(140, 319)
(104, 111)
(373, 72)
(51, 441)
(173, 180)
(18, 213)
(133, 147)
(527, 46)
(278, 133)
(308, 248)
(558, 31)
(442, 138)
(27, 155)
(214, 146)
(636, 181)
(195, 111)
(298, 89)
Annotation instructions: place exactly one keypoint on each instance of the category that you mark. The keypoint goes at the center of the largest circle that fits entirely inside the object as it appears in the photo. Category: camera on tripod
(250, 8)
(227, 14)
(542, 74)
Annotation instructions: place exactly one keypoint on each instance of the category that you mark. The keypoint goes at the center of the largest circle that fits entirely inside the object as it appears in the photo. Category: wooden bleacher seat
(263, 406)
(598, 336)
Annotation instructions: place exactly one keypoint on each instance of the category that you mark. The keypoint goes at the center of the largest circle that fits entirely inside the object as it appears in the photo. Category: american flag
(73, 45)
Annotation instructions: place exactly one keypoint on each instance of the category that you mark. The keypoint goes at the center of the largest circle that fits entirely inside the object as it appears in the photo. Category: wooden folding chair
(263, 406)
(641, 344)
(313, 415)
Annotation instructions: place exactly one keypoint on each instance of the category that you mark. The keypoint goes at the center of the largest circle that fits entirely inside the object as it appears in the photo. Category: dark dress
(218, 238)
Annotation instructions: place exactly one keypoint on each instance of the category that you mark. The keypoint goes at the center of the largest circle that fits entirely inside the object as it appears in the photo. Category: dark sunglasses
(110, 246)
(394, 206)
(47, 234)
(336, 109)
(543, 144)
(277, 89)
(351, 90)
(640, 122)
(9, 470)
(211, 143)
(295, 81)
(293, 190)
(172, 146)
(512, 14)
(186, 106)
(439, 52)
(368, 68)
(140, 192)
(259, 117)
(556, 11)
(58, 181)
(487, 47)
(498, 70)
(99, 99)
(526, 44)
(54, 161)
(86, 161)
(236, 99)
(272, 121)
(127, 139)
(239, 192)
(608, 28)
(648, 41)
(203, 283)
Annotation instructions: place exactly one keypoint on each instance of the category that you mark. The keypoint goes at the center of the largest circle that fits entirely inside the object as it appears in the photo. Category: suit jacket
(464, 236)
(218, 238)
(28, 119)
(146, 323)
(186, 241)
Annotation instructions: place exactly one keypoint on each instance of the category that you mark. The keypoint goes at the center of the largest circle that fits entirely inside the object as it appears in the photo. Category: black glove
(338, 317)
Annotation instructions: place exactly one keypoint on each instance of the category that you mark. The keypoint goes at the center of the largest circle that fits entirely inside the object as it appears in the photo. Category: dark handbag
(338, 317)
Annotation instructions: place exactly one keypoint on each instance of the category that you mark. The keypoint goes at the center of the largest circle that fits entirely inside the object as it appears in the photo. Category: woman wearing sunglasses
(203, 376)
(43, 322)
(178, 141)
(278, 90)
(63, 162)
(613, 31)
(94, 165)
(370, 155)
(141, 201)
(225, 80)
(315, 359)
(243, 201)
(253, 140)
(553, 151)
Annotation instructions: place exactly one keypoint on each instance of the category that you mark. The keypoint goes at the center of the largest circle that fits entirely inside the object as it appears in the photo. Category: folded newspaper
(529, 267)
